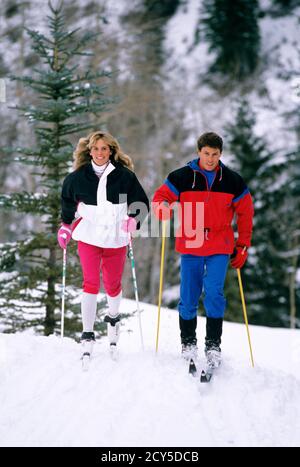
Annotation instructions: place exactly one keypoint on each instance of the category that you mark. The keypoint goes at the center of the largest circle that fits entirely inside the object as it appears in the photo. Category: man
(209, 195)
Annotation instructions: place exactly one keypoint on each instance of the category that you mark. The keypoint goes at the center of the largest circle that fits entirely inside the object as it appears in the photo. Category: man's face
(209, 157)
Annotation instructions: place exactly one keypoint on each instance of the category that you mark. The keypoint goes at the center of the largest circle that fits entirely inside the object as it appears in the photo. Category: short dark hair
(210, 139)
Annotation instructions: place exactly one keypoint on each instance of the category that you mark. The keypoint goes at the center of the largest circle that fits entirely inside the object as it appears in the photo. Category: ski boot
(214, 328)
(213, 354)
(87, 341)
(113, 333)
(189, 349)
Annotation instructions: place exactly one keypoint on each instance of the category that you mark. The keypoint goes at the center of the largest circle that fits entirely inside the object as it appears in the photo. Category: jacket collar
(194, 165)
(91, 173)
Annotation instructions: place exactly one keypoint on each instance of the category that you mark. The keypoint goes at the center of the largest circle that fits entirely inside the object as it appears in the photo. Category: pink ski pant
(110, 261)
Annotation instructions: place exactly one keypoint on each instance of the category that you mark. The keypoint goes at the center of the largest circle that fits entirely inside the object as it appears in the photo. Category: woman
(101, 192)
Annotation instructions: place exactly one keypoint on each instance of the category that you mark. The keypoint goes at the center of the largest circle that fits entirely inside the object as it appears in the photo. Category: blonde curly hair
(82, 155)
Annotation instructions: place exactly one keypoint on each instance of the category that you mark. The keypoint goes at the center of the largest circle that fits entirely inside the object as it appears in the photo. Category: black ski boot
(188, 338)
(214, 328)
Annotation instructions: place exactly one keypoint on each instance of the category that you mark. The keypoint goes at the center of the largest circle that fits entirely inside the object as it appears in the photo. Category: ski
(206, 375)
(213, 361)
(192, 368)
(86, 358)
(87, 349)
(113, 352)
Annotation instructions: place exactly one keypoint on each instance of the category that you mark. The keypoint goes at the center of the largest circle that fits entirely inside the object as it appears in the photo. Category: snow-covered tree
(288, 209)
(65, 95)
(284, 7)
(232, 31)
(265, 272)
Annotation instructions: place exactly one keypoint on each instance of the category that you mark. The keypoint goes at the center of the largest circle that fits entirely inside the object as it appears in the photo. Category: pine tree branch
(24, 202)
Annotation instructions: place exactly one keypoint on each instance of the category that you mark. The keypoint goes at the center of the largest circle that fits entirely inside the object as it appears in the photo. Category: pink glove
(239, 256)
(64, 235)
(129, 225)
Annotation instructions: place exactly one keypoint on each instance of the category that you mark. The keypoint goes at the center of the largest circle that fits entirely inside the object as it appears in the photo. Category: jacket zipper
(207, 187)
(206, 230)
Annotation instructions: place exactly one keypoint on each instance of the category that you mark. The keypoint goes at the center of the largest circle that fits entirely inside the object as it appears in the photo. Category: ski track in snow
(142, 399)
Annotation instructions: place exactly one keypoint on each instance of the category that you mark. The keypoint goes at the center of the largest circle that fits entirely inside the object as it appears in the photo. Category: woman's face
(100, 152)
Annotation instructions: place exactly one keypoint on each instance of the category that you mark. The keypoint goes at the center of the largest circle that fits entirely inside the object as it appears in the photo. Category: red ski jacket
(206, 212)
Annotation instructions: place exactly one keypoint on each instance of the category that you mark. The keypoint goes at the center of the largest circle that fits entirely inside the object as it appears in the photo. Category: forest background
(155, 74)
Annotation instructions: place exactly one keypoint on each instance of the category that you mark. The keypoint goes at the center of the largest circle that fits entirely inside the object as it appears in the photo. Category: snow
(148, 399)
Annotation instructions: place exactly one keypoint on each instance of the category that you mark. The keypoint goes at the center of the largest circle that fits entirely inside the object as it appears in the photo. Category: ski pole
(162, 260)
(131, 256)
(63, 292)
(245, 313)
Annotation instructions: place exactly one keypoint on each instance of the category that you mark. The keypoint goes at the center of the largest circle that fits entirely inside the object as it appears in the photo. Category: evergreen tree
(284, 7)
(265, 272)
(65, 96)
(288, 210)
(232, 31)
(284, 3)
(283, 239)
(14, 15)
(286, 242)
(151, 17)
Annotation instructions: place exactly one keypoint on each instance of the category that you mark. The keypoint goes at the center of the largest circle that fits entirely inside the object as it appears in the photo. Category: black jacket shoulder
(227, 181)
(233, 181)
(180, 178)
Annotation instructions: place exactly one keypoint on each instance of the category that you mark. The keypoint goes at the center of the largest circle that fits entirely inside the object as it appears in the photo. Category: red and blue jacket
(225, 197)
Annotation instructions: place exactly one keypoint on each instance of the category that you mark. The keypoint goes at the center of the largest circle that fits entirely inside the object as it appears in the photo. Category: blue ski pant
(198, 273)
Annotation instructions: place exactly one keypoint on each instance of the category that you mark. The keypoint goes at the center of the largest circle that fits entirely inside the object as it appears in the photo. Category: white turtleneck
(99, 169)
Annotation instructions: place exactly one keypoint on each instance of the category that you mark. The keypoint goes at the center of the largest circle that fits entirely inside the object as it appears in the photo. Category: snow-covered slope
(145, 399)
